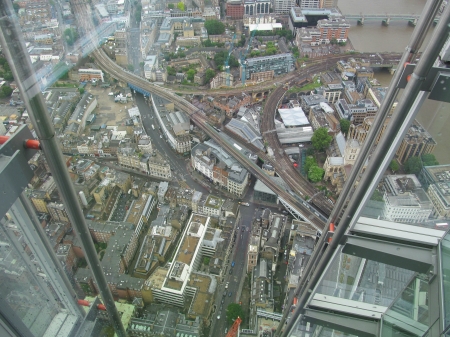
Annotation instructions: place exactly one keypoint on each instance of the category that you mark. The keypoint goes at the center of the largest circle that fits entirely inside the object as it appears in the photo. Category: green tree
(71, 35)
(209, 75)
(214, 27)
(394, 166)
(377, 196)
(206, 261)
(81, 91)
(413, 165)
(130, 67)
(171, 71)
(16, 7)
(315, 174)
(171, 6)
(190, 75)
(429, 160)
(321, 139)
(207, 43)
(6, 90)
(345, 125)
(333, 41)
(233, 311)
(309, 162)
(180, 6)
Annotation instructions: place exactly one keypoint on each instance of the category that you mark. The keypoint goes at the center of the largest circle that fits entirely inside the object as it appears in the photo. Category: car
(160, 136)
(218, 316)
(231, 271)
(232, 264)
(229, 294)
(222, 301)
(237, 227)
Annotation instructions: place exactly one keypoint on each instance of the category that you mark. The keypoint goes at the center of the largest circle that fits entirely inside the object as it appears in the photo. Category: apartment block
(279, 64)
(417, 142)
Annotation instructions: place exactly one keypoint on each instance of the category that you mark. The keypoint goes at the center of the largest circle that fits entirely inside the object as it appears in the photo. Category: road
(177, 162)
(242, 234)
(199, 119)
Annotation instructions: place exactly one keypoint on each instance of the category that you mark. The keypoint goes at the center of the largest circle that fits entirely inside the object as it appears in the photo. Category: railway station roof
(293, 117)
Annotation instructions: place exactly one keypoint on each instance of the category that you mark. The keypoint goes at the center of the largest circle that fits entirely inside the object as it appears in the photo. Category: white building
(405, 200)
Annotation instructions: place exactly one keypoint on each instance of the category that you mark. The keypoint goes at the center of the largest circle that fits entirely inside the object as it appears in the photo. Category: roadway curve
(199, 119)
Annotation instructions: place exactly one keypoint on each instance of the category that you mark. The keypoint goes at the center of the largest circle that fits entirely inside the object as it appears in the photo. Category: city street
(177, 162)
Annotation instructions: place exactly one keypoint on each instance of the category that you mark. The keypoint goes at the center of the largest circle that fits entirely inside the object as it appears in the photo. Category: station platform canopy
(293, 117)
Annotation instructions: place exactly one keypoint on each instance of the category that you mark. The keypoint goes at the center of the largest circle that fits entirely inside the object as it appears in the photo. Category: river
(373, 37)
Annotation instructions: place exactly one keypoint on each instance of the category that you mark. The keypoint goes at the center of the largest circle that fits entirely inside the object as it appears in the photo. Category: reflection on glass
(306, 328)
(409, 313)
(445, 277)
(363, 280)
(23, 285)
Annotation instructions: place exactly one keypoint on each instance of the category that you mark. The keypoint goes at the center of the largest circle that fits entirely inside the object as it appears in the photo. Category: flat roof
(293, 117)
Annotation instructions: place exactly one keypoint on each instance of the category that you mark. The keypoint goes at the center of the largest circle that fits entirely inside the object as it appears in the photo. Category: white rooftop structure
(265, 26)
(293, 117)
(325, 107)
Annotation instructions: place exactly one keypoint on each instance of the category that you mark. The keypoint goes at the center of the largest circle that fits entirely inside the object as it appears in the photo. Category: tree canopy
(171, 6)
(214, 27)
(429, 160)
(309, 162)
(394, 166)
(220, 57)
(6, 91)
(413, 165)
(233, 311)
(71, 35)
(321, 139)
(345, 125)
(209, 75)
(190, 75)
(315, 173)
(180, 6)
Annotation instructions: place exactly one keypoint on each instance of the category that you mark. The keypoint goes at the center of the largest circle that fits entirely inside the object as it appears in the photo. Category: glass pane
(363, 280)
(409, 312)
(23, 285)
(445, 277)
(304, 328)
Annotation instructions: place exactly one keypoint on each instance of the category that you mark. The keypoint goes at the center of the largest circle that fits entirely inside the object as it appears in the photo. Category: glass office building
(368, 275)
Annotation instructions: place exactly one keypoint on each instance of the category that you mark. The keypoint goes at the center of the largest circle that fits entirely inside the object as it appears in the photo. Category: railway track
(200, 120)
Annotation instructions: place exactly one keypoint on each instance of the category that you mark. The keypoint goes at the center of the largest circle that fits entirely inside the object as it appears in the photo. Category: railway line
(200, 120)
(281, 162)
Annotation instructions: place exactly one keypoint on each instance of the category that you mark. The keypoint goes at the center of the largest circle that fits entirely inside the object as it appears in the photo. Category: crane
(234, 330)
(243, 56)
(227, 67)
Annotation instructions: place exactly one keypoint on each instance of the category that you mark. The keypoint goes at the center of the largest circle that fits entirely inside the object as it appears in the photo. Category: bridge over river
(385, 18)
